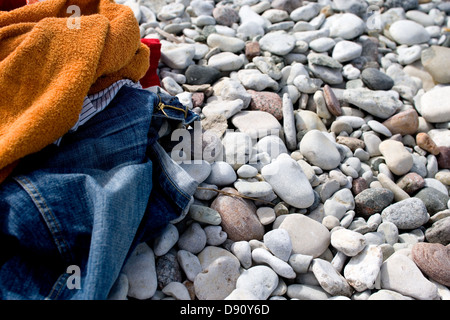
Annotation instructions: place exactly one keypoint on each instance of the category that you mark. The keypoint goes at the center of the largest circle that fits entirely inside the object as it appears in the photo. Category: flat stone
(196, 75)
(222, 174)
(305, 12)
(177, 56)
(332, 101)
(279, 243)
(319, 150)
(434, 260)
(379, 128)
(176, 290)
(439, 232)
(389, 232)
(435, 105)
(257, 124)
(252, 50)
(433, 199)
(345, 51)
(382, 104)
(425, 142)
(141, 272)
(237, 150)
(260, 280)
(119, 290)
(323, 60)
(266, 215)
(409, 55)
(341, 202)
(374, 79)
(330, 279)
(230, 89)
(351, 142)
(212, 253)
(308, 236)
(168, 269)
(388, 183)
(347, 26)
(255, 189)
(225, 16)
(277, 42)
(168, 238)
(272, 145)
(347, 241)
(193, 239)
(267, 101)
(189, 263)
(268, 65)
(307, 292)
(404, 122)
(443, 158)
(226, 61)
(433, 59)
(282, 268)
(322, 44)
(288, 181)
(408, 32)
(218, 280)
(306, 121)
(399, 273)
(409, 214)
(247, 171)
(411, 182)
(398, 159)
(305, 84)
(362, 270)
(289, 122)
(384, 294)
(225, 43)
(242, 251)
(239, 219)
(205, 194)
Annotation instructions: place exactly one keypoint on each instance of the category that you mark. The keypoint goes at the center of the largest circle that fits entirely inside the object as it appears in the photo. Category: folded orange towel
(49, 62)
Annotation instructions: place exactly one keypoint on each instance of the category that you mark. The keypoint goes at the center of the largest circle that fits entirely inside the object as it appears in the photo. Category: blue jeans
(89, 201)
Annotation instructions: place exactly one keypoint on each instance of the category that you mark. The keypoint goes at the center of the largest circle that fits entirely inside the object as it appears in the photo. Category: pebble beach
(323, 160)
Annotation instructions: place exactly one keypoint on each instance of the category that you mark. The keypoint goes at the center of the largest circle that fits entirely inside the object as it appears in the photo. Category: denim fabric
(91, 200)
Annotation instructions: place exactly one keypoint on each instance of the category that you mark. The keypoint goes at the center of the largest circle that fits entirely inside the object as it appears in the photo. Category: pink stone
(252, 49)
(434, 260)
(443, 158)
(197, 99)
(411, 182)
(332, 101)
(359, 184)
(267, 101)
(351, 142)
(425, 142)
(239, 219)
(405, 122)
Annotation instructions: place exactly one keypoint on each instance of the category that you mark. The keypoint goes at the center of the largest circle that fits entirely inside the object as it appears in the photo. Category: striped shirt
(97, 102)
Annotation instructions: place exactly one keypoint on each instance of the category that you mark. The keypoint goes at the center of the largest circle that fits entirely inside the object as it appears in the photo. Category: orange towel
(48, 66)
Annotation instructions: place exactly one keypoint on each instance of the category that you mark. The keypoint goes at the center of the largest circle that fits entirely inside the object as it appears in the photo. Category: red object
(8, 5)
(151, 77)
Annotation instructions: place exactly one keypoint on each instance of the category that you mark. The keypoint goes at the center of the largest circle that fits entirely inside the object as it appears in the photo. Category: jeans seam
(57, 287)
(47, 214)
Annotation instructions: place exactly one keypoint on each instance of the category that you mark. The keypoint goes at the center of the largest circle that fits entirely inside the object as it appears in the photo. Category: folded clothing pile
(83, 176)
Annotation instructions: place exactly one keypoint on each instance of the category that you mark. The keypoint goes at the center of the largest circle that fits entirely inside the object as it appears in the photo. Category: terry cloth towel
(51, 58)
